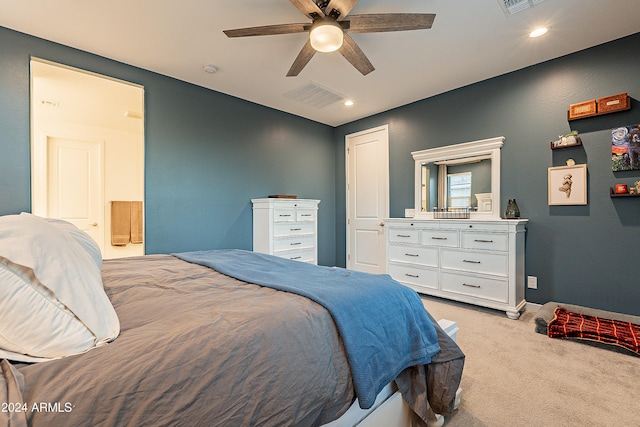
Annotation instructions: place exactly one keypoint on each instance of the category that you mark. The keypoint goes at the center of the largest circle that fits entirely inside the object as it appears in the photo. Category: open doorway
(87, 150)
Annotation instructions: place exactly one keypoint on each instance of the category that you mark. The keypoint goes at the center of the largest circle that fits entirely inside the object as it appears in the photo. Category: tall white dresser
(474, 261)
(286, 228)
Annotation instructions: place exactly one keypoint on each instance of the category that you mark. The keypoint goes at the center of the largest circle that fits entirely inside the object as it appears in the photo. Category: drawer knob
(295, 257)
(285, 214)
(412, 255)
(296, 243)
(471, 286)
(411, 275)
(483, 241)
(438, 238)
(471, 261)
(403, 235)
(295, 229)
(306, 215)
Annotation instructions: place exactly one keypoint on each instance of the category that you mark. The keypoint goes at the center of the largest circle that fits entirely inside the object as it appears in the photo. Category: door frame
(67, 125)
(348, 207)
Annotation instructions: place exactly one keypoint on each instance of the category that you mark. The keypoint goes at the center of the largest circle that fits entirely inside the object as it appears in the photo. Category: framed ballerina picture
(568, 185)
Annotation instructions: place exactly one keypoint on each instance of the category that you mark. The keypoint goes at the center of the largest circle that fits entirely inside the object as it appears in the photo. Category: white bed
(178, 343)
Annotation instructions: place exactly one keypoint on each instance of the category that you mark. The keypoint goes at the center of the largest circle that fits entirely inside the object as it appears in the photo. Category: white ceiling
(64, 95)
(471, 40)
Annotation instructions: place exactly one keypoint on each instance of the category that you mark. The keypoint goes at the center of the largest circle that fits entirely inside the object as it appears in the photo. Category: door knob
(95, 224)
(381, 224)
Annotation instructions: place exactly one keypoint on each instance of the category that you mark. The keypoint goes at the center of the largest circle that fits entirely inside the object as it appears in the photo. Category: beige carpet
(514, 376)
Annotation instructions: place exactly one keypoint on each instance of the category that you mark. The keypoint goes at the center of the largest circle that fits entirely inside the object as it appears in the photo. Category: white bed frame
(390, 409)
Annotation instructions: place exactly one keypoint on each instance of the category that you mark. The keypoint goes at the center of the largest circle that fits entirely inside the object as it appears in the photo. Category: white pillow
(87, 243)
(52, 301)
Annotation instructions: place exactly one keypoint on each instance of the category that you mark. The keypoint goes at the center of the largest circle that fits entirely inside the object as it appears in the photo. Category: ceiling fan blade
(338, 9)
(309, 8)
(375, 23)
(267, 30)
(302, 59)
(352, 52)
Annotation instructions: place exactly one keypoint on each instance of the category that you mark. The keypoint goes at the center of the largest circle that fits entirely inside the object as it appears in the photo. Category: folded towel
(136, 222)
(120, 223)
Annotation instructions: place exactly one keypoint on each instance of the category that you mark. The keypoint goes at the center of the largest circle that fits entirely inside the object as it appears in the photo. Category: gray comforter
(188, 354)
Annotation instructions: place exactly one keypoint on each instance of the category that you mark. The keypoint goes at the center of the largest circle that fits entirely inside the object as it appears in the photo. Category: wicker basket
(453, 213)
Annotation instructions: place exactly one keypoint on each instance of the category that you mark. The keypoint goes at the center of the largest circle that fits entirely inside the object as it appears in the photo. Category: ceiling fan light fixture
(326, 36)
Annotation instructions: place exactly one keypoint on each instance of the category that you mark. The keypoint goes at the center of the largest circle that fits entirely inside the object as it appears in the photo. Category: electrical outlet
(532, 282)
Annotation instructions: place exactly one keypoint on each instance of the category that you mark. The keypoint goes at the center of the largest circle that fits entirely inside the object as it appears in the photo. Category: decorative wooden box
(283, 196)
(613, 103)
(582, 109)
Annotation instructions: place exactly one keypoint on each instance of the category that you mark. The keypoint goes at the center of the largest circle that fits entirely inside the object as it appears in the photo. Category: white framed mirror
(459, 176)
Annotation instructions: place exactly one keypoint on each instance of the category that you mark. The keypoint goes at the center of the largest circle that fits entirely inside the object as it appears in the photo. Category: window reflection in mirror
(459, 190)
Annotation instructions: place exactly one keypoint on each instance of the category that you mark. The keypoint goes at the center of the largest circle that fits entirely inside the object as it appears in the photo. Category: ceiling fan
(329, 30)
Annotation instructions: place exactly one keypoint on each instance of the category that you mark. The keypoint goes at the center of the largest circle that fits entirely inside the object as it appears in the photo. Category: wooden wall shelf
(557, 147)
(593, 108)
(596, 114)
(613, 194)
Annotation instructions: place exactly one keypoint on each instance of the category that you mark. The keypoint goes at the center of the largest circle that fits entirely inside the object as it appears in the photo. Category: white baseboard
(532, 306)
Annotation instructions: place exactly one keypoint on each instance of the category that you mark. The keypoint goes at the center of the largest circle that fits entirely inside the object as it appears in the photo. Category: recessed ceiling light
(538, 32)
(348, 103)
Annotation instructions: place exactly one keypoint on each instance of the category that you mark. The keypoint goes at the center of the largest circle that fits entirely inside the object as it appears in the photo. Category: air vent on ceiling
(314, 95)
(510, 7)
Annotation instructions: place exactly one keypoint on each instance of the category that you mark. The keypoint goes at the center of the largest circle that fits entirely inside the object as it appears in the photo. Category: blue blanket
(383, 324)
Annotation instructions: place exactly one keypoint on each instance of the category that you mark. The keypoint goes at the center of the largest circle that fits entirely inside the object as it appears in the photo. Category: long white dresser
(287, 228)
(474, 261)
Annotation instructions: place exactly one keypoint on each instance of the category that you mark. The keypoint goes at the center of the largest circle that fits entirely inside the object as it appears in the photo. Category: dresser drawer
(440, 238)
(403, 235)
(293, 229)
(476, 262)
(414, 255)
(294, 243)
(284, 214)
(305, 215)
(417, 276)
(304, 255)
(480, 287)
(485, 241)
(479, 225)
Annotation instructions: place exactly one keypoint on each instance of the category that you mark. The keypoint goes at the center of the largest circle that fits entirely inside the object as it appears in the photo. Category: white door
(367, 199)
(74, 184)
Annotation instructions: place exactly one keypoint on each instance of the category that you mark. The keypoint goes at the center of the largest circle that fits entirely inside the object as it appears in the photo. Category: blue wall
(207, 154)
(588, 255)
